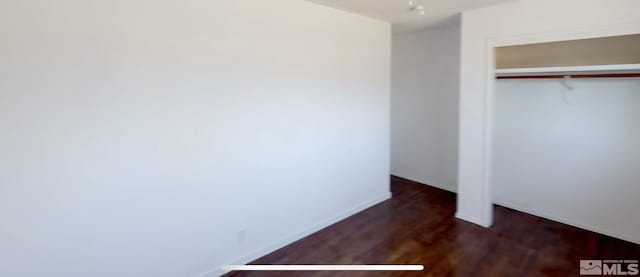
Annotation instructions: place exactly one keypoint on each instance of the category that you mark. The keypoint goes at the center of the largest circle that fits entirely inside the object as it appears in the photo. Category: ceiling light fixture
(416, 8)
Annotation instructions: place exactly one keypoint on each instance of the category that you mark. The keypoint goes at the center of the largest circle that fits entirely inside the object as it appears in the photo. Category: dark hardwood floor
(417, 226)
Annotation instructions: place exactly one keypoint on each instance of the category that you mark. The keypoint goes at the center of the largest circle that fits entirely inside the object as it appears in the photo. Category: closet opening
(565, 132)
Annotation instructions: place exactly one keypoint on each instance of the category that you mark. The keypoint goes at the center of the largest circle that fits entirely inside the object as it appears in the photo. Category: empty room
(205, 138)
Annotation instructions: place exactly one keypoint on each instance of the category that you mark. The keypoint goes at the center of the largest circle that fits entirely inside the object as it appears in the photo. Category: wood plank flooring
(417, 226)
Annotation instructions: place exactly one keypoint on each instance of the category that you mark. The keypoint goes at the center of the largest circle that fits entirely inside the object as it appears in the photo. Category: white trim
(591, 69)
(436, 185)
(324, 267)
(425, 182)
(487, 209)
(217, 270)
(473, 219)
(545, 215)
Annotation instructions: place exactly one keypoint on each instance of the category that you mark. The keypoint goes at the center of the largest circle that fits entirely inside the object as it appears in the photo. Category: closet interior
(566, 132)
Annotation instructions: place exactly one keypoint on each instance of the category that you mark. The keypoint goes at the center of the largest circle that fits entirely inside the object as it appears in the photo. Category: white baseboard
(565, 221)
(472, 219)
(217, 271)
(438, 185)
(466, 217)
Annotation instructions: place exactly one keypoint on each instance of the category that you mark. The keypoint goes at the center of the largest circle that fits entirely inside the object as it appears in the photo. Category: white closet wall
(570, 155)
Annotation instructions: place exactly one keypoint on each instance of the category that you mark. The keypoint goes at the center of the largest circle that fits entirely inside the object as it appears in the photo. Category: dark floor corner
(417, 226)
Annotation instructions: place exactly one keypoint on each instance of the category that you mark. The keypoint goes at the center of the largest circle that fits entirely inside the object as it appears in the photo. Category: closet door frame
(486, 218)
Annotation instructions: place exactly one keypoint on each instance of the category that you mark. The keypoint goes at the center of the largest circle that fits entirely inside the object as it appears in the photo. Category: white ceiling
(437, 12)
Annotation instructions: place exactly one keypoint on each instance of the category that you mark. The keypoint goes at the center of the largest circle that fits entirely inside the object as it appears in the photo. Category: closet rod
(618, 75)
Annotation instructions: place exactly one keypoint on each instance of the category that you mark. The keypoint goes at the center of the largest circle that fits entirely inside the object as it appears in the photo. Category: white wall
(424, 106)
(570, 155)
(519, 22)
(141, 138)
(581, 52)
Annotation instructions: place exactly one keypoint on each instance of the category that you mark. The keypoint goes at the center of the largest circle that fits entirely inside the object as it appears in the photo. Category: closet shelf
(590, 71)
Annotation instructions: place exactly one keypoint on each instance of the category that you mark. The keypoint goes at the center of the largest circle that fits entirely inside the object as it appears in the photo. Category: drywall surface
(424, 106)
(165, 138)
(570, 155)
(523, 22)
(594, 51)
